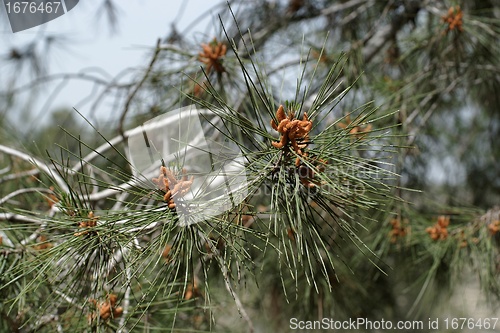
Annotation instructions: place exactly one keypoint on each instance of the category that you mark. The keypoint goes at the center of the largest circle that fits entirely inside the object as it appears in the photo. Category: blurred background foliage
(431, 69)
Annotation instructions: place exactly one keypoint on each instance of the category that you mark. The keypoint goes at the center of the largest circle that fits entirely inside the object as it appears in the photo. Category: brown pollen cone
(172, 187)
(212, 55)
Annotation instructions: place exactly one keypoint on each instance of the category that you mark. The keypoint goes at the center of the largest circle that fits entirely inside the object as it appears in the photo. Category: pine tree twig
(429, 6)
(116, 258)
(39, 164)
(11, 217)
(236, 298)
(338, 7)
(176, 49)
(227, 282)
(33, 236)
(120, 200)
(352, 16)
(137, 87)
(64, 77)
(463, 65)
(43, 321)
(17, 175)
(7, 169)
(376, 25)
(23, 191)
(5, 241)
(413, 134)
(69, 299)
(93, 180)
(126, 302)
(418, 110)
(386, 33)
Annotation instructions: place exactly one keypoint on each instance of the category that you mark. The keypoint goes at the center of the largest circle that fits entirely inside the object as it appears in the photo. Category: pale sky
(89, 46)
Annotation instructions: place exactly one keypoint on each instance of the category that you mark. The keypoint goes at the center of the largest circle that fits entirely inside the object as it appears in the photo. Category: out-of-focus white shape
(5, 240)
(194, 140)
